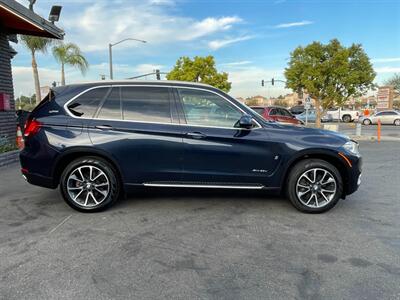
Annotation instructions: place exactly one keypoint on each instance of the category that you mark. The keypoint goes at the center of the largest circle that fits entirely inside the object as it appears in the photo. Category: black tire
(346, 118)
(397, 122)
(106, 168)
(367, 122)
(304, 166)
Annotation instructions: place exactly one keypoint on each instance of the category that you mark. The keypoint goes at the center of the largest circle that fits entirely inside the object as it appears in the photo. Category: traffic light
(272, 81)
(158, 75)
(262, 82)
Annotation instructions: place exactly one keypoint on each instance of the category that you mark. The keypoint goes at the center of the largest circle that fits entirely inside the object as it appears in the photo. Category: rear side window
(86, 104)
(148, 104)
(285, 113)
(111, 108)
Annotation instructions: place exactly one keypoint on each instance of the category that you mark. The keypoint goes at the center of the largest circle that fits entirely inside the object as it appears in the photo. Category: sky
(251, 40)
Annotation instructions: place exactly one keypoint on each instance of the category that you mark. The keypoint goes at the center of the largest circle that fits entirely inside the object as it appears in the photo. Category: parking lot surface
(189, 244)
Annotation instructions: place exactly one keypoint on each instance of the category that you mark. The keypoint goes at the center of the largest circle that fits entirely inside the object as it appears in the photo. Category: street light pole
(110, 52)
(110, 57)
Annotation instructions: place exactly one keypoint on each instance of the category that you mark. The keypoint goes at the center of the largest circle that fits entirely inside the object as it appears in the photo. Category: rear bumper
(39, 180)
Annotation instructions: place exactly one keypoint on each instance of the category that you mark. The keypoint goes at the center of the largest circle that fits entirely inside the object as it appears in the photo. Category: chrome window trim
(146, 122)
(218, 186)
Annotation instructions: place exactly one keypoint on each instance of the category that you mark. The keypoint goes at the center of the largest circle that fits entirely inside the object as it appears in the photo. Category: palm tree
(69, 54)
(35, 44)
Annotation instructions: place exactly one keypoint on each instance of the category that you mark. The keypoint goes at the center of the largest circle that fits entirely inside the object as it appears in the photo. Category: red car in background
(276, 113)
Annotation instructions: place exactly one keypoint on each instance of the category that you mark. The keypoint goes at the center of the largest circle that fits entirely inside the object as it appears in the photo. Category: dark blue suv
(97, 141)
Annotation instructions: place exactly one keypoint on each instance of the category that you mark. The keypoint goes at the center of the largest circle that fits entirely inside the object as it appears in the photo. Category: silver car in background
(391, 117)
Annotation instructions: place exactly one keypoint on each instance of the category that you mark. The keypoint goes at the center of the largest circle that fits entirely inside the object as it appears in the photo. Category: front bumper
(353, 180)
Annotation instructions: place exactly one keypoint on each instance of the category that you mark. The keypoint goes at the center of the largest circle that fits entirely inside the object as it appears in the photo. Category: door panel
(227, 156)
(221, 153)
(135, 126)
(145, 152)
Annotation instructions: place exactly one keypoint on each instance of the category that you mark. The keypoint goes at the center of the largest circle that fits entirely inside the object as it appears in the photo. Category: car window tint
(258, 110)
(389, 113)
(285, 112)
(208, 109)
(111, 108)
(148, 104)
(86, 104)
(273, 112)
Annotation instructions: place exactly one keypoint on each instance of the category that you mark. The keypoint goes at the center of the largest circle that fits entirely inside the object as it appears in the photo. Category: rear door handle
(196, 135)
(104, 127)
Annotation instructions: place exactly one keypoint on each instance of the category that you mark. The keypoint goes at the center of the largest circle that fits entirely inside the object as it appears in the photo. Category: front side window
(86, 104)
(208, 109)
(147, 104)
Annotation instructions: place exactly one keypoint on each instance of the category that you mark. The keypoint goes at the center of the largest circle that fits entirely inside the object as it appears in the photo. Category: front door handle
(196, 135)
(104, 127)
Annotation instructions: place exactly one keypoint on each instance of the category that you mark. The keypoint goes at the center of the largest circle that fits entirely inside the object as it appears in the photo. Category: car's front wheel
(89, 184)
(397, 122)
(367, 122)
(314, 186)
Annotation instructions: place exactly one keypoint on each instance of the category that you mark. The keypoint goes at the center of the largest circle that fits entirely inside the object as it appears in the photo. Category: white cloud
(23, 79)
(387, 70)
(293, 24)
(247, 82)
(162, 2)
(102, 23)
(385, 60)
(217, 44)
(237, 63)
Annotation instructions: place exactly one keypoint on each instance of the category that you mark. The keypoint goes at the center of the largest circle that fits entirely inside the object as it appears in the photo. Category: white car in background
(386, 116)
(345, 115)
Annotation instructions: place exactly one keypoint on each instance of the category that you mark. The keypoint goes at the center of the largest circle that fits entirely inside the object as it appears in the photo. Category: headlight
(352, 147)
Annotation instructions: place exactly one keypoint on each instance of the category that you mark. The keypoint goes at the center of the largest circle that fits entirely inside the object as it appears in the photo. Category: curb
(8, 158)
(374, 138)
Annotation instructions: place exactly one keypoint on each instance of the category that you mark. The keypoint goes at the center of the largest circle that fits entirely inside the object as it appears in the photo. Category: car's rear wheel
(314, 186)
(397, 122)
(89, 184)
(367, 122)
(346, 118)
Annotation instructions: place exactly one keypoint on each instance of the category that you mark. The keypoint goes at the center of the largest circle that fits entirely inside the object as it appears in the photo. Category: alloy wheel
(88, 186)
(316, 188)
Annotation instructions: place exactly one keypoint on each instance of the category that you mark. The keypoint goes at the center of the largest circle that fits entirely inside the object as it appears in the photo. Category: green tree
(69, 54)
(395, 81)
(200, 69)
(330, 73)
(35, 44)
(281, 102)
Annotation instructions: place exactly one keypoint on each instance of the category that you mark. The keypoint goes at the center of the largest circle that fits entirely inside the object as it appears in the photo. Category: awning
(18, 19)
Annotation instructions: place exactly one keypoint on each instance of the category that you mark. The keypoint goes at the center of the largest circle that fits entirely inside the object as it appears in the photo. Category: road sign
(308, 100)
(385, 98)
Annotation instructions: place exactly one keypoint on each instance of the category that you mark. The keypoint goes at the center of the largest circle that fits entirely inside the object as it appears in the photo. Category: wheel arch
(328, 156)
(66, 157)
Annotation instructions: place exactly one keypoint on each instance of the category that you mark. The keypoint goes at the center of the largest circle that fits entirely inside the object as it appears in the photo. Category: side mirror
(246, 121)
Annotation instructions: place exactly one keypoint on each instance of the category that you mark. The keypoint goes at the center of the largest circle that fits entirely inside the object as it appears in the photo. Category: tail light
(31, 127)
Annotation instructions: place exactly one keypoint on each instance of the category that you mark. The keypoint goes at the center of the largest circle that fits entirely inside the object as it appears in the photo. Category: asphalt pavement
(188, 244)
